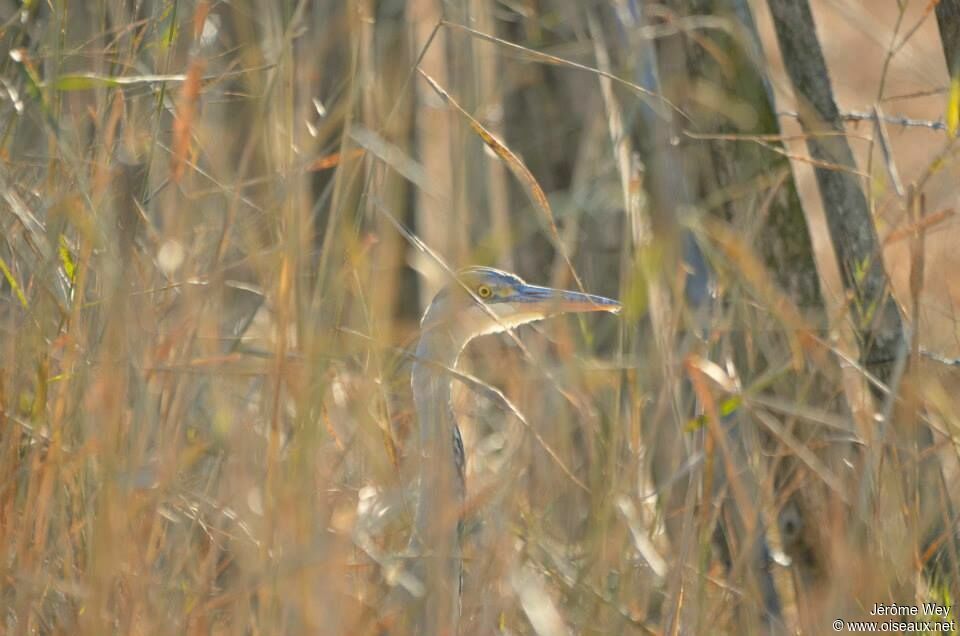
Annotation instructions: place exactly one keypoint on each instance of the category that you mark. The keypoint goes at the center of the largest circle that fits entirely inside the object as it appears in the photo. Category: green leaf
(169, 37)
(727, 407)
(953, 107)
(69, 265)
(88, 81)
(13, 282)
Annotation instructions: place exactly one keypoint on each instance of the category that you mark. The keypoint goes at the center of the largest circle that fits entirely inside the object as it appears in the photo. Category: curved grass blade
(533, 190)
(655, 100)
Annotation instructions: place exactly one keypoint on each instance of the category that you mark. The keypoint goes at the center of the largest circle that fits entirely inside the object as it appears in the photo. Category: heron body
(480, 301)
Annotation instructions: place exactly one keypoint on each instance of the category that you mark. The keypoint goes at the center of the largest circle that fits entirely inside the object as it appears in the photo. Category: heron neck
(441, 487)
(441, 469)
(437, 351)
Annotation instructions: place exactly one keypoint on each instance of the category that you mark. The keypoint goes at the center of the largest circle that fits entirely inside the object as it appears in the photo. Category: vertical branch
(876, 320)
(876, 316)
(434, 132)
(492, 110)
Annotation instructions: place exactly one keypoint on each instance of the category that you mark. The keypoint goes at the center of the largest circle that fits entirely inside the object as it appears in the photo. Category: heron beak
(559, 301)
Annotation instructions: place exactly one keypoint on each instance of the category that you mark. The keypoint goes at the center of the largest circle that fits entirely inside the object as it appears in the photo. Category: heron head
(485, 300)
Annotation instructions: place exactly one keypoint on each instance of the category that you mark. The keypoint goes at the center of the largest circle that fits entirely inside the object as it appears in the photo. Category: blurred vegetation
(221, 222)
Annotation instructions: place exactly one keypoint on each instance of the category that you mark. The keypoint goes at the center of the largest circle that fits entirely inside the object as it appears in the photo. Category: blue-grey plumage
(482, 300)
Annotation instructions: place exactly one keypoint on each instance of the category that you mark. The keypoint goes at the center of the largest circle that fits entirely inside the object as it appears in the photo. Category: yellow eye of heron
(484, 292)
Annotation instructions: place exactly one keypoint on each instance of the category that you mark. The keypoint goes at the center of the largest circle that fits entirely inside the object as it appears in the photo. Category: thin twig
(896, 120)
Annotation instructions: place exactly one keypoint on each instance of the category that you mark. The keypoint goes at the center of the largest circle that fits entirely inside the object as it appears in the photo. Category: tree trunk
(948, 20)
(876, 317)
